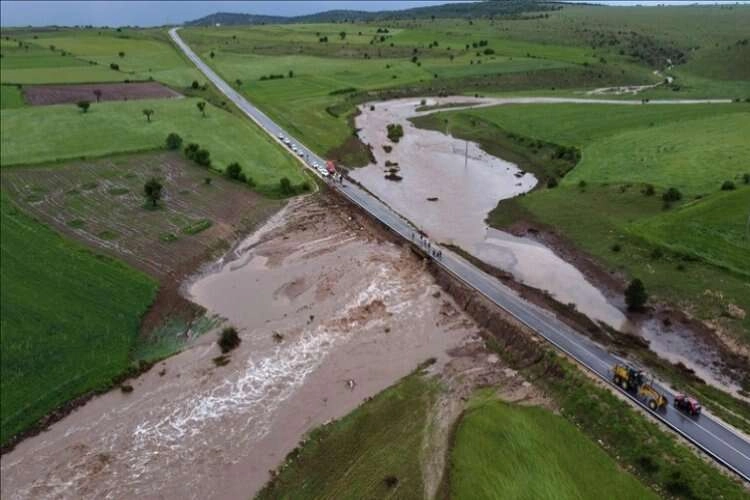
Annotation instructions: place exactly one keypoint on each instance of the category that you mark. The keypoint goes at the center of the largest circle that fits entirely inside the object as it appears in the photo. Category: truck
(686, 404)
(634, 381)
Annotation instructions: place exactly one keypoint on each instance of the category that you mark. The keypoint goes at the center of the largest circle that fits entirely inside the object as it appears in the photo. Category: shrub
(250, 182)
(635, 295)
(746, 178)
(488, 52)
(233, 170)
(174, 141)
(552, 182)
(114, 66)
(285, 186)
(195, 85)
(649, 190)
(727, 186)
(656, 253)
(616, 247)
(395, 132)
(229, 339)
(83, 105)
(582, 184)
(671, 194)
(203, 157)
(191, 149)
(152, 191)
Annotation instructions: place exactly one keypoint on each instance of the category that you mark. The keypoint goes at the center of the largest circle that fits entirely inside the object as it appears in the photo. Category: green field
(69, 319)
(52, 133)
(88, 55)
(10, 97)
(508, 451)
(694, 148)
(354, 456)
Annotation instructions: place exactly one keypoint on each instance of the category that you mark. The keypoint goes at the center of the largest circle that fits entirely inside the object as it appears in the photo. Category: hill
(451, 10)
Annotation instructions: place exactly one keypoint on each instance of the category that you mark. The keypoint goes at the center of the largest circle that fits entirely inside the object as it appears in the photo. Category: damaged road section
(330, 312)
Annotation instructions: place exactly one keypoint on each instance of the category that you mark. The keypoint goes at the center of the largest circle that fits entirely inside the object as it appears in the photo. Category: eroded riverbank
(330, 312)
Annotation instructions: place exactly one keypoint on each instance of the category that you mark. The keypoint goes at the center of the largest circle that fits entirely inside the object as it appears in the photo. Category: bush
(114, 66)
(250, 182)
(582, 184)
(195, 85)
(746, 178)
(657, 253)
(233, 170)
(671, 194)
(635, 295)
(191, 149)
(203, 158)
(395, 132)
(174, 141)
(616, 247)
(285, 186)
(728, 186)
(552, 182)
(229, 339)
(649, 190)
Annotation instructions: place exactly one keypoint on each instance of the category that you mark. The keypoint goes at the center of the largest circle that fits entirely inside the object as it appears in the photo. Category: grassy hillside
(680, 253)
(374, 452)
(69, 318)
(508, 451)
(51, 133)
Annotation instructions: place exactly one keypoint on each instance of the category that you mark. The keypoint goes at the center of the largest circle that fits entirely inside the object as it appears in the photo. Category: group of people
(425, 243)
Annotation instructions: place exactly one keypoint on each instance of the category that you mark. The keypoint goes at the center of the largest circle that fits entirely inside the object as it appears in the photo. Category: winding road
(726, 445)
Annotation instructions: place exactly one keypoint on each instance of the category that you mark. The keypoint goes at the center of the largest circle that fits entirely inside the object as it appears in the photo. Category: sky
(156, 13)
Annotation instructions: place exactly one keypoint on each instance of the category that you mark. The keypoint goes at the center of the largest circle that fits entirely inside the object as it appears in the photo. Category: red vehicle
(687, 404)
(331, 167)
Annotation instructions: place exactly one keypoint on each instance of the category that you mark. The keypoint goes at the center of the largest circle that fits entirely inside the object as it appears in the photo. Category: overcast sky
(144, 13)
(140, 13)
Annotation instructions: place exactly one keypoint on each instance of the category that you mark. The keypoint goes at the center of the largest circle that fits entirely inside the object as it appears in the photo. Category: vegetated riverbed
(330, 312)
(447, 187)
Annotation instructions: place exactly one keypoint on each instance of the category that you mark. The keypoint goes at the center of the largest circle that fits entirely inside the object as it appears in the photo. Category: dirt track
(43, 95)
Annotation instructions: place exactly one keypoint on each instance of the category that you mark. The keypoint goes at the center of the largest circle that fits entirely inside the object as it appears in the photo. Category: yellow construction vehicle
(634, 381)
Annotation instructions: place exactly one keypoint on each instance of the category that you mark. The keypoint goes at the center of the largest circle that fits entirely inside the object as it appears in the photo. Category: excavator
(634, 381)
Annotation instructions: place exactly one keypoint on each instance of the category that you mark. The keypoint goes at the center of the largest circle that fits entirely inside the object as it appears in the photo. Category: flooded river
(447, 188)
(328, 316)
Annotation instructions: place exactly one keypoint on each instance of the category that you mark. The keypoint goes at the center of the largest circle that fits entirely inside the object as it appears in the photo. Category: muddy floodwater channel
(447, 186)
(329, 313)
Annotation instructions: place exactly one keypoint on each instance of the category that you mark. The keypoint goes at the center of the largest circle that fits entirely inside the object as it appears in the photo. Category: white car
(300, 152)
(281, 136)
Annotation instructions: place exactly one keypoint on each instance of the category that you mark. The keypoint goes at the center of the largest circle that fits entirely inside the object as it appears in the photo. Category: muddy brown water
(468, 183)
(346, 307)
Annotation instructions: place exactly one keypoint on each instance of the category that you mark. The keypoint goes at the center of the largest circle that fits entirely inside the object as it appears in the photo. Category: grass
(54, 133)
(509, 451)
(354, 457)
(694, 148)
(11, 97)
(69, 319)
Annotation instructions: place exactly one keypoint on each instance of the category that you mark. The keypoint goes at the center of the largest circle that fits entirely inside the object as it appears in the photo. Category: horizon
(144, 14)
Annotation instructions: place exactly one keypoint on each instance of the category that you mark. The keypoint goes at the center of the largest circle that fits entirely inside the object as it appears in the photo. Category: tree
(291, 74)
(728, 186)
(212, 54)
(98, 94)
(152, 190)
(202, 107)
(195, 85)
(121, 54)
(233, 170)
(671, 194)
(174, 141)
(228, 339)
(203, 157)
(83, 105)
(148, 112)
(635, 295)
(342, 35)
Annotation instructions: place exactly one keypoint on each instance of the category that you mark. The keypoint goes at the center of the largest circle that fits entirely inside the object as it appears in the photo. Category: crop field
(42, 95)
(101, 203)
(69, 318)
(374, 452)
(601, 203)
(53, 133)
(509, 451)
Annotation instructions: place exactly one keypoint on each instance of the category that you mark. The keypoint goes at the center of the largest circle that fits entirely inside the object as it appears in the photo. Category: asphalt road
(728, 446)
